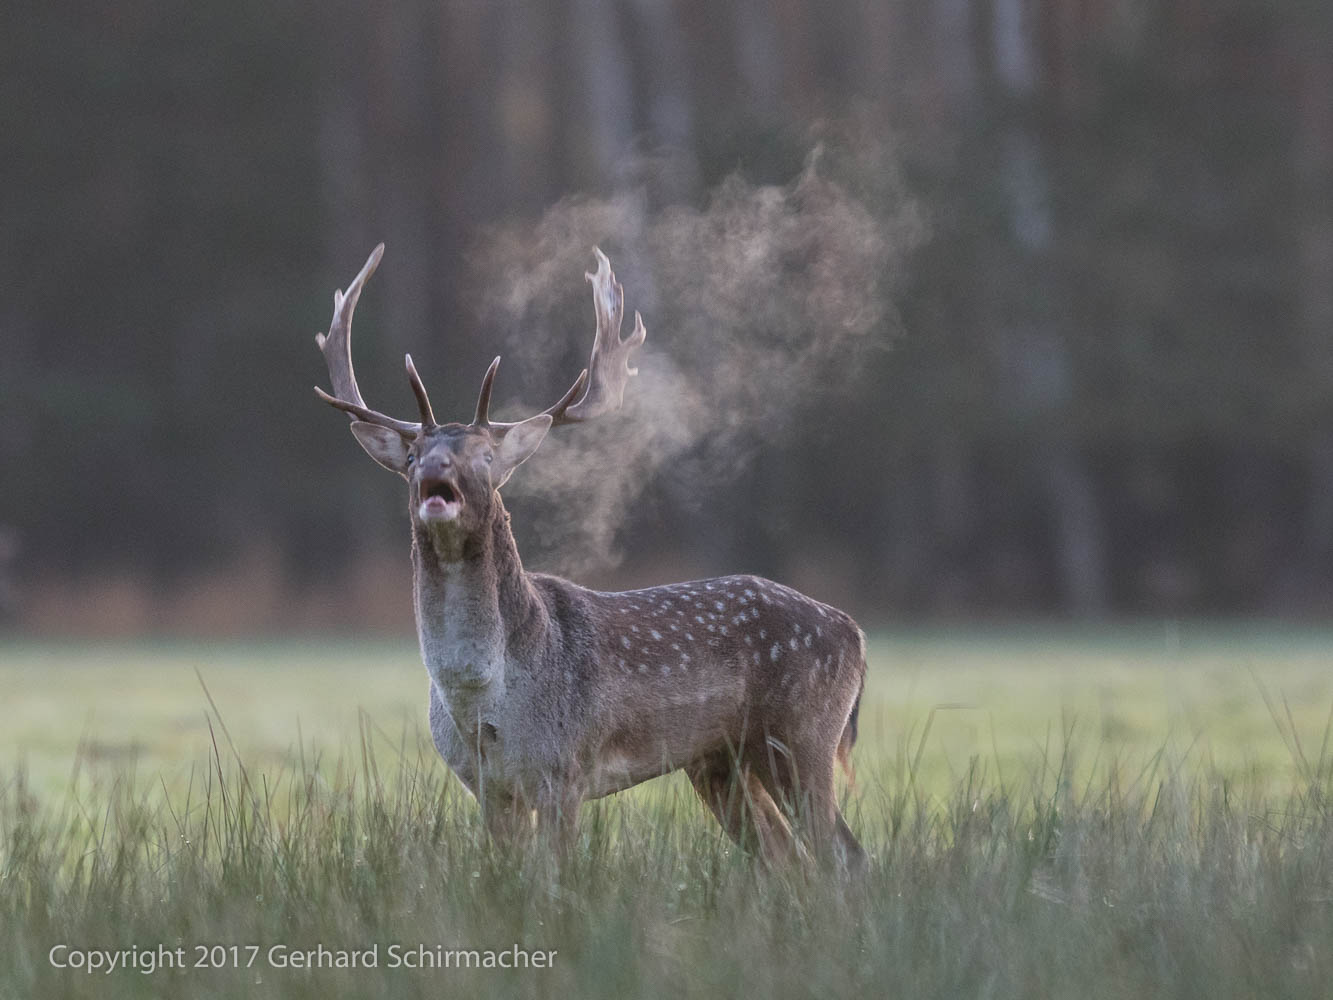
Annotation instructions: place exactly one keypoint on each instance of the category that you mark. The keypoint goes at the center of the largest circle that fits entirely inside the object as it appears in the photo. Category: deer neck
(472, 600)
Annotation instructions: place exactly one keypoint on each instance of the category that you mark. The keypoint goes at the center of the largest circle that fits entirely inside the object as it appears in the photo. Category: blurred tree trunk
(607, 92)
(525, 98)
(1036, 353)
(759, 55)
(401, 106)
(1314, 197)
(663, 57)
(342, 143)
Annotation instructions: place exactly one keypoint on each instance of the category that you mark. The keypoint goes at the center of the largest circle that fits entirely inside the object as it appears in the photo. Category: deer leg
(508, 819)
(852, 855)
(558, 817)
(745, 810)
(803, 782)
(550, 816)
(799, 778)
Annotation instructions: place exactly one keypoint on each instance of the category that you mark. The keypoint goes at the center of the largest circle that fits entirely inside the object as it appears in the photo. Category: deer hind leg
(740, 803)
(799, 778)
(852, 856)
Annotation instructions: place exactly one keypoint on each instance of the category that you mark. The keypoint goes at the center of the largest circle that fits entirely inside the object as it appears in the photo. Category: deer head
(454, 470)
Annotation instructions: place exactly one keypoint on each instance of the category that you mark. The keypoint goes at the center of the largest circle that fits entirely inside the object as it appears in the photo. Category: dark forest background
(1106, 382)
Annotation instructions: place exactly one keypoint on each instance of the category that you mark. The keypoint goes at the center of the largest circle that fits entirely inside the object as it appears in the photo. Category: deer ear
(517, 446)
(384, 445)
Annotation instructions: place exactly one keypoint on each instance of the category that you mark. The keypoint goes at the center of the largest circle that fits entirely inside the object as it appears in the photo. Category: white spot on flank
(773, 653)
(763, 633)
(643, 668)
(749, 592)
(749, 640)
(699, 619)
(666, 670)
(808, 637)
(793, 642)
(756, 656)
(689, 636)
(624, 641)
(634, 629)
(657, 635)
(675, 628)
(719, 605)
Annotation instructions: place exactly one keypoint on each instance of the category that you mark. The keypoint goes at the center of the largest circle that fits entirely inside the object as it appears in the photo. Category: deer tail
(848, 739)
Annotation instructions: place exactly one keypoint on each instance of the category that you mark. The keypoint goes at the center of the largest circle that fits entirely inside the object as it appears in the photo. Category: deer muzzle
(441, 500)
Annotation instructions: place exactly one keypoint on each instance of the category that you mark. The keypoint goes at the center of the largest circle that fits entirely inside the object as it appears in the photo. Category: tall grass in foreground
(1163, 881)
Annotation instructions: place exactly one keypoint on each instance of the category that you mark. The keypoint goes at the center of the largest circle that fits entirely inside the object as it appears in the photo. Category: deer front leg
(508, 819)
(558, 816)
(548, 816)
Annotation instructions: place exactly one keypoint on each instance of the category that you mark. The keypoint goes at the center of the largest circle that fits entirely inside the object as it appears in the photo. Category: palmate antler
(609, 363)
(602, 393)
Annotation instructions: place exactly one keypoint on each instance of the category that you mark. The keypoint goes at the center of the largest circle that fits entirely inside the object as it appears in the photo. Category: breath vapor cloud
(757, 303)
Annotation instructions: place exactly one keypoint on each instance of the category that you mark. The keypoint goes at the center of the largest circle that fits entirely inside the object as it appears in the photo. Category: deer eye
(489, 458)
(411, 458)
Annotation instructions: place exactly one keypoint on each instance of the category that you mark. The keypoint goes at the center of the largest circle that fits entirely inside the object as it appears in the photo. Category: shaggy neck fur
(474, 604)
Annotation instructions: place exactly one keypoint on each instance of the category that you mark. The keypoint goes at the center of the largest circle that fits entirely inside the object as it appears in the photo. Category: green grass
(1050, 813)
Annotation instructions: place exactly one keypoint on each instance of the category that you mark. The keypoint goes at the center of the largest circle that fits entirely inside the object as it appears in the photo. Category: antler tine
(419, 390)
(336, 347)
(482, 418)
(559, 412)
(602, 383)
(368, 415)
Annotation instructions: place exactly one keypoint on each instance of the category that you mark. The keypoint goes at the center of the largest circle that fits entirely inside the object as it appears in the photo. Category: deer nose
(436, 465)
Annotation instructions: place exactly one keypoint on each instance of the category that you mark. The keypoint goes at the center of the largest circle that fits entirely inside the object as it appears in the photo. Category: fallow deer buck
(544, 694)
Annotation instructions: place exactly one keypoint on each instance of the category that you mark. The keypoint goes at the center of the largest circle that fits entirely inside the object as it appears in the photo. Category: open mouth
(440, 500)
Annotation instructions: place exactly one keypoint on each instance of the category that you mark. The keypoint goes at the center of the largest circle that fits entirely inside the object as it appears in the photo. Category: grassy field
(1136, 811)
